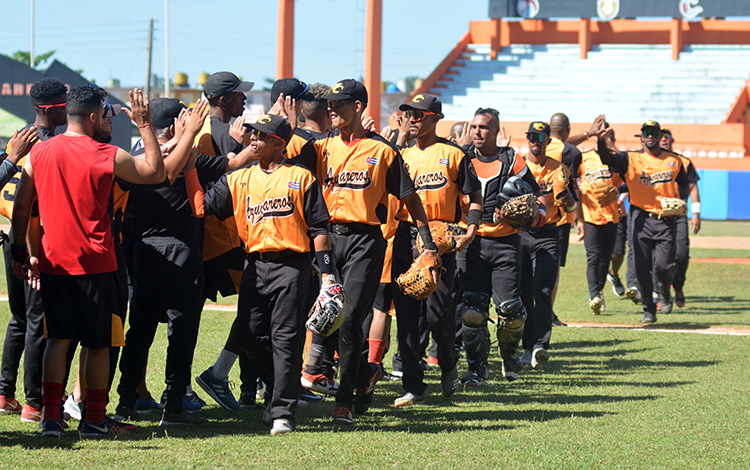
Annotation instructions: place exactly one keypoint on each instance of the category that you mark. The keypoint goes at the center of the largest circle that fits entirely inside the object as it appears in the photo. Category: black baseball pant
(653, 250)
(599, 243)
(540, 263)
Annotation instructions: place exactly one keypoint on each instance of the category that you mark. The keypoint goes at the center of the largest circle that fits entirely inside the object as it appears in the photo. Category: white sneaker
(281, 426)
(72, 408)
(595, 303)
(526, 358)
(539, 358)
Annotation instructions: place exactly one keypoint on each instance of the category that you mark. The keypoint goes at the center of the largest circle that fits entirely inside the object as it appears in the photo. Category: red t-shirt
(73, 176)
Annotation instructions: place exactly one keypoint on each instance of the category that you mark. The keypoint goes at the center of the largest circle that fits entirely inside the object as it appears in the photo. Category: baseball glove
(417, 281)
(329, 310)
(672, 206)
(441, 235)
(519, 211)
(560, 187)
(603, 193)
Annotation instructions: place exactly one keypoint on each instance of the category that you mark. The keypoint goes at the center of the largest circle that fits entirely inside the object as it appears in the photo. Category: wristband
(474, 217)
(586, 133)
(696, 208)
(424, 232)
(325, 261)
(146, 125)
(19, 253)
(571, 209)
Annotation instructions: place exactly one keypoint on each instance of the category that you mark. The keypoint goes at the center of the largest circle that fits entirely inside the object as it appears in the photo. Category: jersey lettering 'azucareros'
(441, 174)
(273, 211)
(592, 170)
(355, 176)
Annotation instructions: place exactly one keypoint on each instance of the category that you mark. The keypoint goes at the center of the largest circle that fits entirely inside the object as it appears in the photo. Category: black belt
(348, 229)
(272, 255)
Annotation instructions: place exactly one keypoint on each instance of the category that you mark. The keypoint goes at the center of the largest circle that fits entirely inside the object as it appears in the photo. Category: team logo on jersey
(594, 175)
(607, 9)
(689, 9)
(277, 207)
(472, 170)
(372, 161)
(357, 180)
(443, 161)
(264, 119)
(657, 178)
(417, 99)
(545, 187)
(431, 181)
(337, 87)
(293, 185)
(528, 8)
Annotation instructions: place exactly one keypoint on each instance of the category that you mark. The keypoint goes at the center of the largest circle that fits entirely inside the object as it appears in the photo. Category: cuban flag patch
(293, 185)
(671, 164)
(372, 160)
(443, 161)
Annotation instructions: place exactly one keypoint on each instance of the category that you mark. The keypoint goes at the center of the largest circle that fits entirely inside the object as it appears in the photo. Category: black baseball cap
(272, 124)
(539, 127)
(348, 89)
(221, 83)
(650, 124)
(291, 87)
(424, 102)
(164, 111)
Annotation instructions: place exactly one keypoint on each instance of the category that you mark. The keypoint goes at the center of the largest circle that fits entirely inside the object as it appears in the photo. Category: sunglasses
(651, 133)
(333, 104)
(538, 138)
(263, 135)
(58, 105)
(416, 114)
(667, 136)
(307, 87)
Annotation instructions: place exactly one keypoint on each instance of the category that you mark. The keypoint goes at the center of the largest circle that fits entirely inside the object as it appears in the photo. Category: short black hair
(84, 100)
(490, 112)
(46, 90)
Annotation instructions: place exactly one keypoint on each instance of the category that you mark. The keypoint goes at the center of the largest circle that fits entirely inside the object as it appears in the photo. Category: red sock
(96, 403)
(377, 350)
(52, 400)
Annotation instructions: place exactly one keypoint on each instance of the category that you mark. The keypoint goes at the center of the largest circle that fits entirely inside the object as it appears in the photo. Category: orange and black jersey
(544, 175)
(355, 175)
(297, 142)
(571, 157)
(647, 176)
(9, 190)
(441, 174)
(692, 176)
(274, 211)
(592, 170)
(214, 138)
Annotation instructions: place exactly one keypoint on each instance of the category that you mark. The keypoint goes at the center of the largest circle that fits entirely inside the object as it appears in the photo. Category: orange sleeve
(195, 192)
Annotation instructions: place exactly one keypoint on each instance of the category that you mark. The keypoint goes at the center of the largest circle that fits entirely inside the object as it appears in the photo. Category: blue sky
(109, 39)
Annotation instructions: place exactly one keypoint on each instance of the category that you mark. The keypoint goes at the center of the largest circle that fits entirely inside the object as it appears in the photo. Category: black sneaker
(617, 286)
(52, 428)
(666, 306)
(472, 379)
(365, 393)
(556, 321)
(387, 376)
(511, 367)
(449, 383)
(310, 397)
(648, 317)
(342, 415)
(184, 417)
(123, 413)
(247, 400)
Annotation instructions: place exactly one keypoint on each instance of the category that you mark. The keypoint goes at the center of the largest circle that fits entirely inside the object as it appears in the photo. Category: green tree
(25, 58)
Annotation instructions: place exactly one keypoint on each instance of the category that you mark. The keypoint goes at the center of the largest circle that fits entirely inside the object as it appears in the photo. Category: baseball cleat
(539, 357)
(409, 399)
(595, 304)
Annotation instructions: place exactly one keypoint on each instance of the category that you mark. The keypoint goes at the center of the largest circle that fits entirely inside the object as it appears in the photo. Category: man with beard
(75, 258)
(650, 173)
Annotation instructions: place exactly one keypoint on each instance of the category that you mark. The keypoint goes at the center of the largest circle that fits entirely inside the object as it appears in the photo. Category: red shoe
(432, 361)
(679, 299)
(31, 414)
(9, 405)
(658, 306)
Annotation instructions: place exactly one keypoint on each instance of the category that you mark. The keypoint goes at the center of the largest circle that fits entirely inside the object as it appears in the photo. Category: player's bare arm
(695, 200)
(187, 128)
(148, 171)
(25, 196)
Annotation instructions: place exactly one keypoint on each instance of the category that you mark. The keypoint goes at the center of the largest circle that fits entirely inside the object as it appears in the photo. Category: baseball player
(317, 120)
(76, 260)
(682, 256)
(356, 169)
(650, 173)
(442, 174)
(279, 210)
(540, 247)
(601, 223)
(25, 333)
(489, 265)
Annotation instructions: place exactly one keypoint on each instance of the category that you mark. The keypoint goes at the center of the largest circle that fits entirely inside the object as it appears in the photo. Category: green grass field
(609, 398)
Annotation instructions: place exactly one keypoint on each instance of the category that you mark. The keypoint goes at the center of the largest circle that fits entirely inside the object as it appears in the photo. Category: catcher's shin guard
(474, 317)
(511, 317)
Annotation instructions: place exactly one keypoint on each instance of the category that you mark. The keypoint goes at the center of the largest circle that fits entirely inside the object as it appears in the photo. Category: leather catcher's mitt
(560, 186)
(417, 281)
(328, 313)
(519, 211)
(672, 206)
(602, 192)
(441, 235)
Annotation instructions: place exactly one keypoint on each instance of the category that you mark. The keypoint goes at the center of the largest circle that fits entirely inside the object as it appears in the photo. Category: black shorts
(82, 307)
(564, 232)
(223, 273)
(384, 297)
